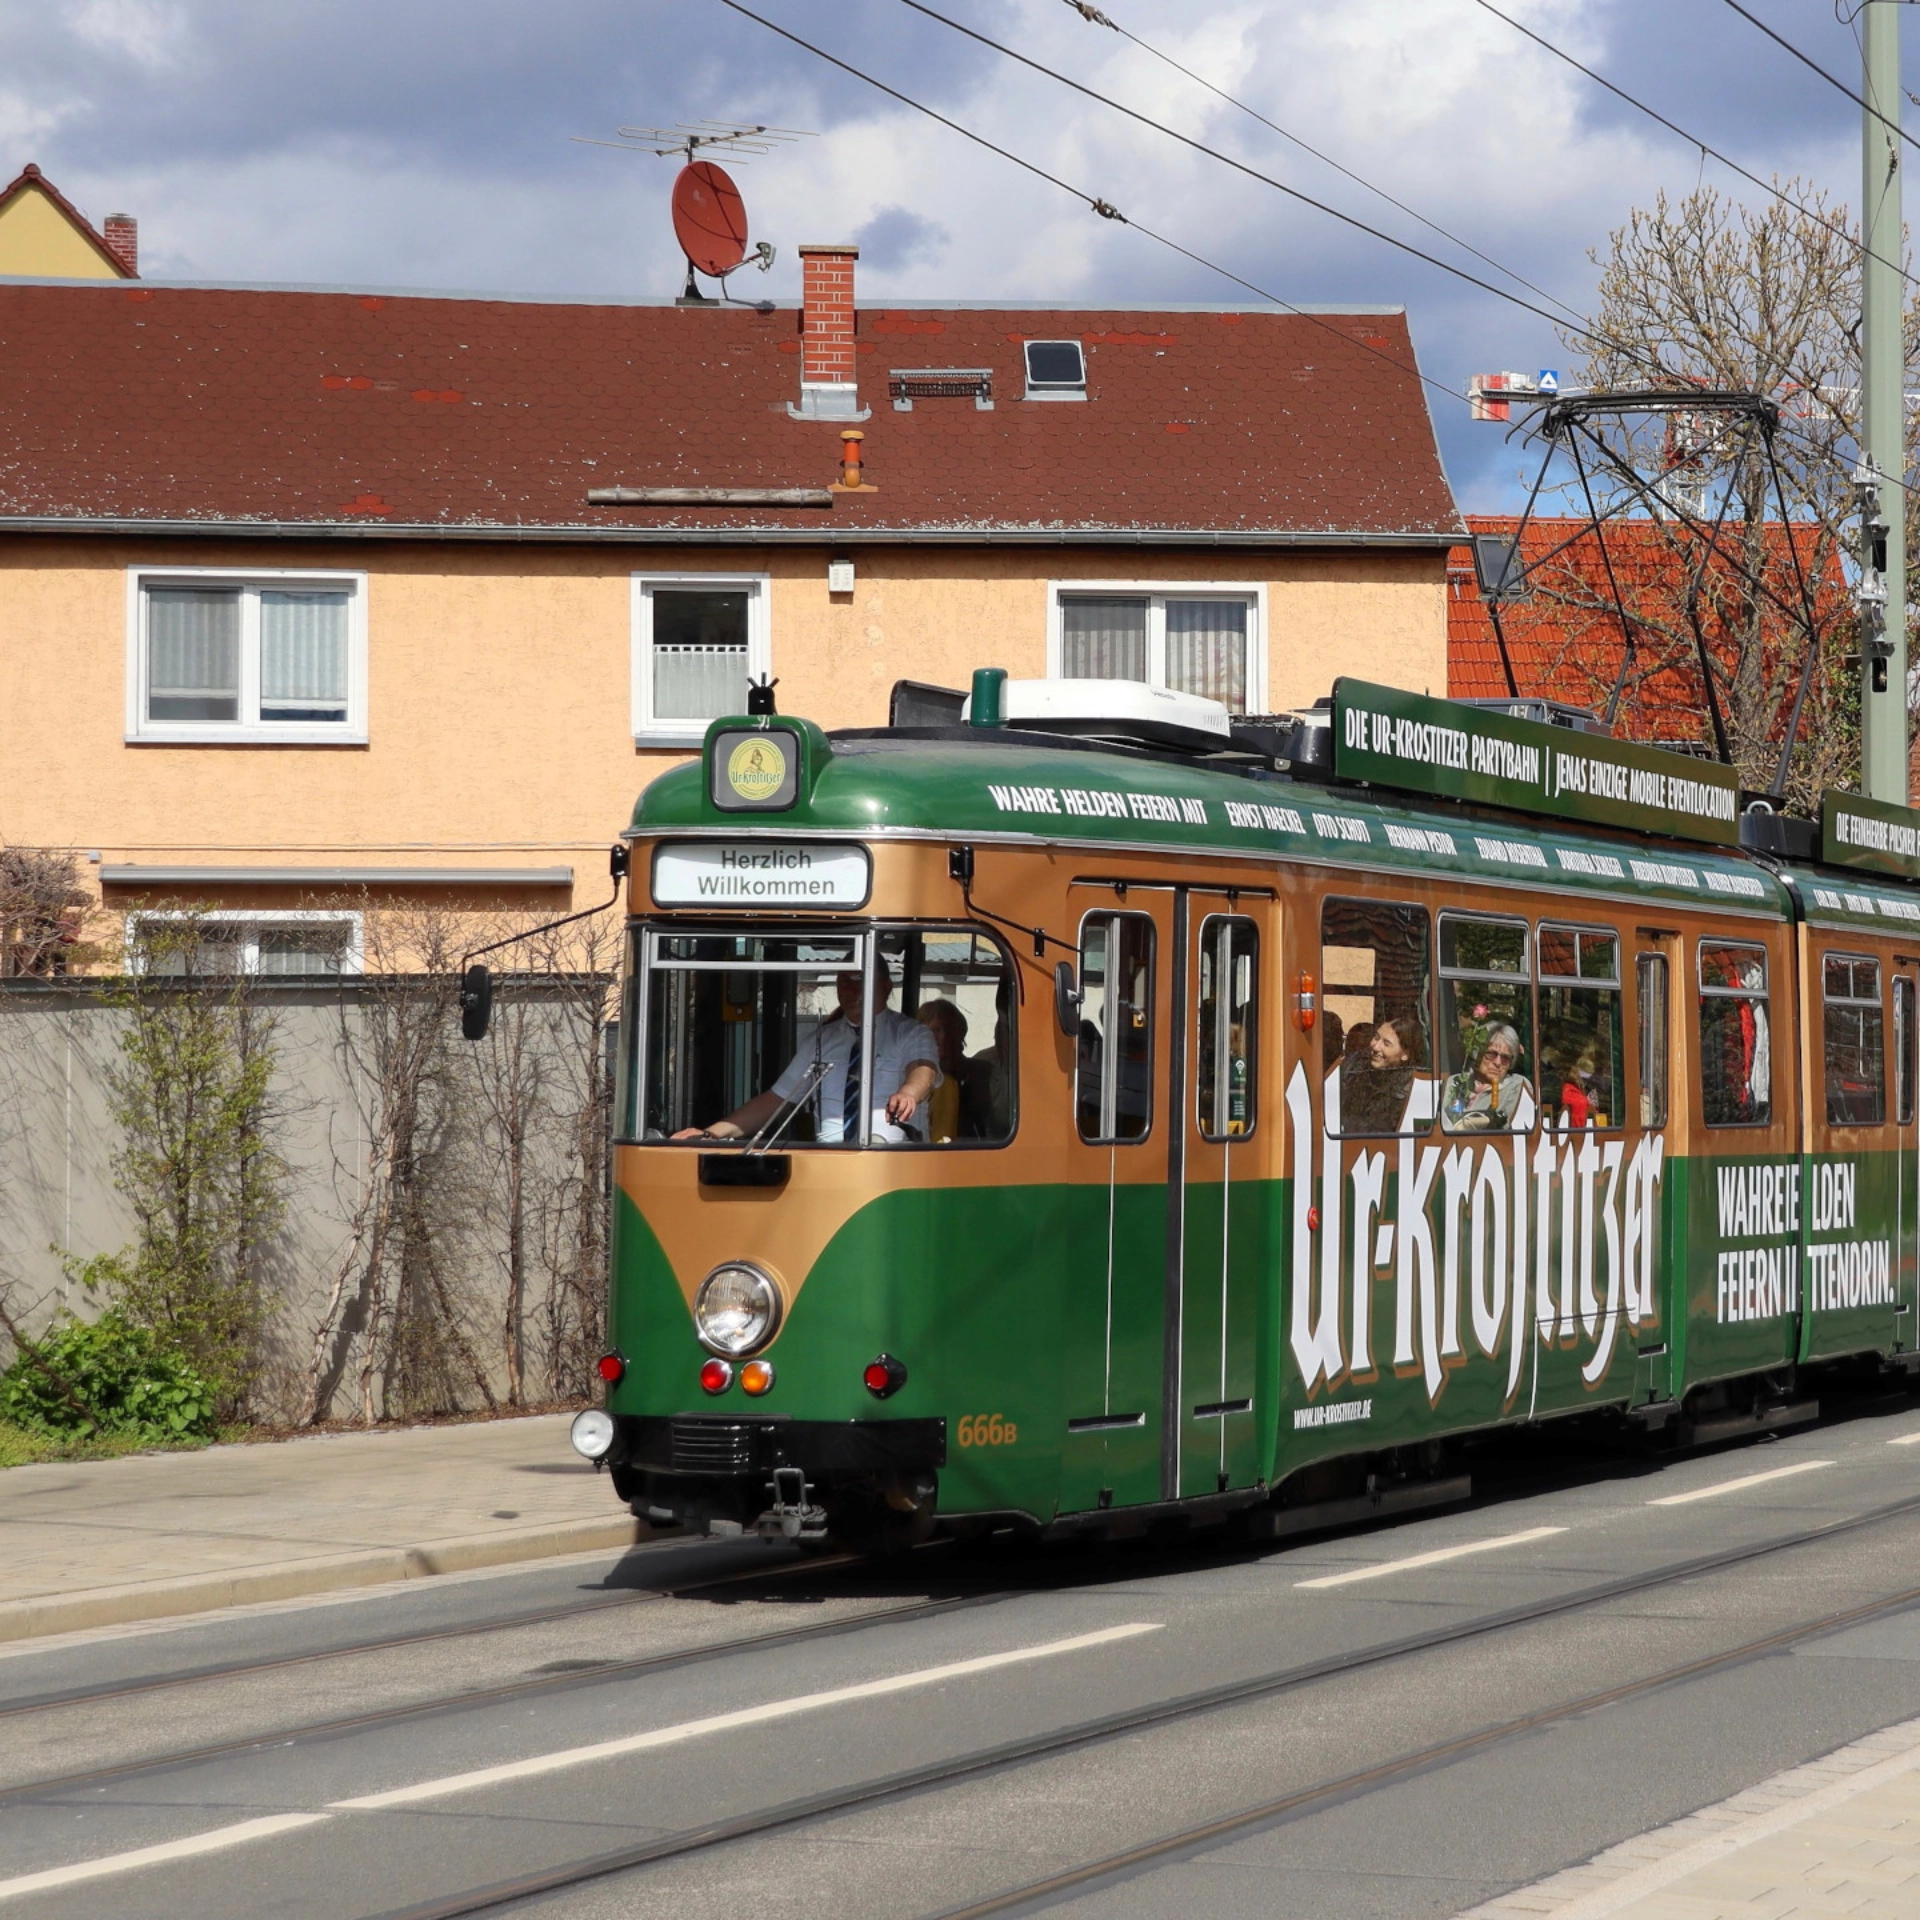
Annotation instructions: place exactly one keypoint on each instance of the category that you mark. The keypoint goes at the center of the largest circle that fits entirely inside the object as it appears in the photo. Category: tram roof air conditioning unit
(1115, 709)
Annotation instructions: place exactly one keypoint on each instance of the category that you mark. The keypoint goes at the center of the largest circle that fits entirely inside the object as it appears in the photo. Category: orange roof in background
(1572, 653)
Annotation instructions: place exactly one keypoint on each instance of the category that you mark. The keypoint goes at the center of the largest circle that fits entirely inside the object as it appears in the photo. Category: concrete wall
(58, 1196)
(500, 684)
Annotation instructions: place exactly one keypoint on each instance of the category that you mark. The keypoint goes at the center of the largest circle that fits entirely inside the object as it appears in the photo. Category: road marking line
(245, 1830)
(1905, 1440)
(1734, 1486)
(1430, 1559)
(740, 1717)
(155, 1856)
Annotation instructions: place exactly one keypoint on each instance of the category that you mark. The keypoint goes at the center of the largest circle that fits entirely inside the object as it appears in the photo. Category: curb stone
(322, 1573)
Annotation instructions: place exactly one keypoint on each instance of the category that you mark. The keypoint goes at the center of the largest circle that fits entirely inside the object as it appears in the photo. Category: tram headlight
(592, 1434)
(737, 1309)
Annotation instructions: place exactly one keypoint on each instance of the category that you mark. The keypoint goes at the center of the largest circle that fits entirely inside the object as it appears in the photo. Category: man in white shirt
(825, 1072)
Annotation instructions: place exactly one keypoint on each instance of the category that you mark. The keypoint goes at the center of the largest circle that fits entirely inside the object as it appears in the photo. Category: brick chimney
(829, 387)
(121, 232)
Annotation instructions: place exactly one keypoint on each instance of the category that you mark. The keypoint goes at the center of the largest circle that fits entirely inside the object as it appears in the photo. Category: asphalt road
(1609, 1654)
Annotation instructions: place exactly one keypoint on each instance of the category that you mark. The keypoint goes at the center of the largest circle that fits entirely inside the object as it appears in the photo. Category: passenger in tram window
(1581, 1104)
(986, 1080)
(1484, 1097)
(1333, 1041)
(1375, 1087)
(906, 1057)
(948, 1025)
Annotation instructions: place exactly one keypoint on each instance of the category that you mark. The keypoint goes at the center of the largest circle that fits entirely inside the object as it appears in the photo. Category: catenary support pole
(1883, 684)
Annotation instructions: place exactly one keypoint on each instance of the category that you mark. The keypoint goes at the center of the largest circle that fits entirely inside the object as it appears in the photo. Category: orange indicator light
(756, 1377)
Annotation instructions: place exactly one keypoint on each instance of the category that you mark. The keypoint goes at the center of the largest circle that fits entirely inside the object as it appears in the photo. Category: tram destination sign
(1422, 745)
(761, 873)
(1871, 834)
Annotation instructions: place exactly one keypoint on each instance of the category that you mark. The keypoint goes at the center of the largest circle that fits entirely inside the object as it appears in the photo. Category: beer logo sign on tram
(756, 768)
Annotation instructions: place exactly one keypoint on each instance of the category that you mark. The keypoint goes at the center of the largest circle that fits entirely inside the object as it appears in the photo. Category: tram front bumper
(715, 1446)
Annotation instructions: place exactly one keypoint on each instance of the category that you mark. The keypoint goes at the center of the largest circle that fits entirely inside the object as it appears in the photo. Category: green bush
(106, 1376)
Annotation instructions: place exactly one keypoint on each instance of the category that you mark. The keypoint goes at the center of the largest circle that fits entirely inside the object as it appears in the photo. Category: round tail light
(883, 1376)
(612, 1369)
(756, 1377)
(716, 1376)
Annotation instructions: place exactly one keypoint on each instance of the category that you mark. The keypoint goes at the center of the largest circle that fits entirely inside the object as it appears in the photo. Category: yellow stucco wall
(37, 238)
(499, 684)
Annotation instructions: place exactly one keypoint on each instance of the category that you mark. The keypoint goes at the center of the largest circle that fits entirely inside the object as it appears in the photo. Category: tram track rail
(425, 1636)
(981, 1762)
(533, 1686)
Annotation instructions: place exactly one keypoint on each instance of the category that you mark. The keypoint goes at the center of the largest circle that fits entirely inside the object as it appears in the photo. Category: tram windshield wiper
(805, 1092)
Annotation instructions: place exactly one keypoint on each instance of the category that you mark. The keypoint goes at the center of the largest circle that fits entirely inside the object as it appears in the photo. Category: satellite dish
(709, 219)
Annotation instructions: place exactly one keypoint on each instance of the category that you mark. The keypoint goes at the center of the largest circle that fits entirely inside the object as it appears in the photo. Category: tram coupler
(791, 1516)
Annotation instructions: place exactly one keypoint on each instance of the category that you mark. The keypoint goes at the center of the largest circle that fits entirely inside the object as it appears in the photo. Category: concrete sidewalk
(1840, 1835)
(103, 1542)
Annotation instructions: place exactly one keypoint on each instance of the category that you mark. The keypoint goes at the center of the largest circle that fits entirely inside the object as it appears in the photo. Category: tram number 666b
(986, 1430)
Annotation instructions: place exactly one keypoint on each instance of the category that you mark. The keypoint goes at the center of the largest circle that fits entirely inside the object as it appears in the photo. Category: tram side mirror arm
(476, 1002)
(1067, 998)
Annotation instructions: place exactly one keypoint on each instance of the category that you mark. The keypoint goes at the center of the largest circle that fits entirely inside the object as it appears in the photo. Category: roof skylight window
(1056, 370)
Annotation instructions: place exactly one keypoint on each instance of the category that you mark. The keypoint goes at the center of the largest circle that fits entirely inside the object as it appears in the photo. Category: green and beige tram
(1073, 1108)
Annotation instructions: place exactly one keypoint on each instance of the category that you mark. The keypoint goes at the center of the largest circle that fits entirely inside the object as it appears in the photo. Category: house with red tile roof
(311, 590)
(42, 233)
(1587, 590)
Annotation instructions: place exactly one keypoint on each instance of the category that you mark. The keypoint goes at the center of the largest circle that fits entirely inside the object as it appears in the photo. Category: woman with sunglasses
(1484, 1097)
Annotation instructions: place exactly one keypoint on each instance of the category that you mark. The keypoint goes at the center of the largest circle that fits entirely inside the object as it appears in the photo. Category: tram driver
(825, 1073)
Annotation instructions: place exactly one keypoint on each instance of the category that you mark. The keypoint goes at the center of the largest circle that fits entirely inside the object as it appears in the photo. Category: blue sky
(411, 143)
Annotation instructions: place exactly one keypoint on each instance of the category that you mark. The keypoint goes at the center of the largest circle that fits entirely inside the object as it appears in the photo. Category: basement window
(276, 657)
(1056, 370)
(218, 945)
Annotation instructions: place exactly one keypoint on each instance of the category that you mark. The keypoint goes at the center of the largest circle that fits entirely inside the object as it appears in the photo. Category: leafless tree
(1704, 292)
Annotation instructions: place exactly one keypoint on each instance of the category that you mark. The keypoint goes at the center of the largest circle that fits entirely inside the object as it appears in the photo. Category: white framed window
(1193, 638)
(698, 638)
(296, 942)
(271, 655)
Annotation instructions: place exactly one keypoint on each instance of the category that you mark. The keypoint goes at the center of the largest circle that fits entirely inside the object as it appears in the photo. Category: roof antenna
(760, 695)
(709, 217)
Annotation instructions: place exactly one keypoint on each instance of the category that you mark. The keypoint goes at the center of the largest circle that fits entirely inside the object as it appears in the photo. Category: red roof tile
(200, 404)
(1566, 642)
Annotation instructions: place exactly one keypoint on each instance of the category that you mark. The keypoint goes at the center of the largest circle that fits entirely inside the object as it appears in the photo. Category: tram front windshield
(760, 1037)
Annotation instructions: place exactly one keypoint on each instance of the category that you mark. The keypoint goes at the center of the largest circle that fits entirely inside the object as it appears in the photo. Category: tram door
(1218, 1236)
(1906, 1088)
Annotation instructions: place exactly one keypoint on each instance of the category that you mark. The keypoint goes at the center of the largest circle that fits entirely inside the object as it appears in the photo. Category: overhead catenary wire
(1832, 80)
(1093, 202)
(1694, 140)
(1094, 16)
(1266, 179)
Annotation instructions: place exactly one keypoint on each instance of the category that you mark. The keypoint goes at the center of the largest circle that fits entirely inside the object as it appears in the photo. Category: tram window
(1736, 1036)
(1580, 1026)
(1853, 1037)
(1229, 1035)
(1486, 1025)
(1653, 1039)
(1113, 1090)
(1903, 1037)
(1376, 968)
(958, 983)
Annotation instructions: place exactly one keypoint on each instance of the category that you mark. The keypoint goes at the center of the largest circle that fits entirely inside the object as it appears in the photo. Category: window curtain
(699, 654)
(303, 656)
(311, 947)
(1207, 650)
(1103, 639)
(193, 653)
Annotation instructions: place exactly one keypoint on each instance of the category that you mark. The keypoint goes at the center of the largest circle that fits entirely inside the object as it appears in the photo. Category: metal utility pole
(1882, 479)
